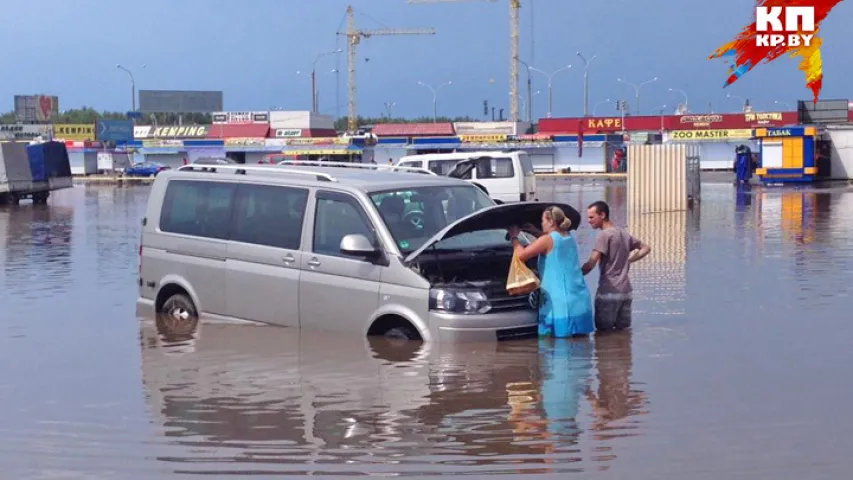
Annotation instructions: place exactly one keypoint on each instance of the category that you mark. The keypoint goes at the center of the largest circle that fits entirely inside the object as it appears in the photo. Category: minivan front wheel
(179, 306)
(401, 332)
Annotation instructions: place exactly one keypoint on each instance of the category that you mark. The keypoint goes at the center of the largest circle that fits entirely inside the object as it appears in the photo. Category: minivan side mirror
(358, 245)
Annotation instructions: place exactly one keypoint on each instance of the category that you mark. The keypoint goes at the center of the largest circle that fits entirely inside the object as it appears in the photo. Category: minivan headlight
(451, 300)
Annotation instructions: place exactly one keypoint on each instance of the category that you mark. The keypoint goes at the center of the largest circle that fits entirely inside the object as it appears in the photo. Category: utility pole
(132, 86)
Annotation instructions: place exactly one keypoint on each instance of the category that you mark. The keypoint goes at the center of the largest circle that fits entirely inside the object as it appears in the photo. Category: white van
(504, 176)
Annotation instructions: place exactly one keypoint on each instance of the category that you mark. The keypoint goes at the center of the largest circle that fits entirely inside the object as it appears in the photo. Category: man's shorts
(613, 312)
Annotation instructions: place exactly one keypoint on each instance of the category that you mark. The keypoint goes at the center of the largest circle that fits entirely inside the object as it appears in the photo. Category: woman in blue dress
(565, 305)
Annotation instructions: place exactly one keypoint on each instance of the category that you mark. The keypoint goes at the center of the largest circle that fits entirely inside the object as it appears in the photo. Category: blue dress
(565, 305)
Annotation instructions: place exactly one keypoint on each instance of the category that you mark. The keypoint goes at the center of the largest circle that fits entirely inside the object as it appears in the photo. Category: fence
(663, 178)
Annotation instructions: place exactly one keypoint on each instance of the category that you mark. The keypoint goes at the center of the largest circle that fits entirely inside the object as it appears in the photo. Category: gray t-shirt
(615, 246)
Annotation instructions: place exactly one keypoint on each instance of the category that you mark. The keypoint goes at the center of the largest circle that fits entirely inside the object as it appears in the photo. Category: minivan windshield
(414, 215)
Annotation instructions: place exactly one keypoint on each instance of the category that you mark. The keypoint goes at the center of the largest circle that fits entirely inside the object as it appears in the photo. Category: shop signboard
(609, 124)
(162, 143)
(485, 128)
(23, 132)
(762, 118)
(74, 131)
(142, 131)
(184, 131)
(483, 138)
(700, 120)
(711, 134)
(318, 141)
(245, 142)
(288, 132)
(241, 118)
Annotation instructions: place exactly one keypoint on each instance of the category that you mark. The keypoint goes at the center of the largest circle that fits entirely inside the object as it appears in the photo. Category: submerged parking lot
(736, 368)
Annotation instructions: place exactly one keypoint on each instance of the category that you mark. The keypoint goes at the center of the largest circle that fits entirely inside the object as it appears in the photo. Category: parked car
(395, 254)
(145, 169)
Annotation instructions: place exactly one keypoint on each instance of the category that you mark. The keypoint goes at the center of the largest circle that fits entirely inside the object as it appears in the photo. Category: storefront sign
(162, 144)
(613, 124)
(23, 132)
(782, 132)
(711, 134)
(318, 141)
(188, 131)
(701, 120)
(323, 151)
(288, 132)
(74, 131)
(483, 138)
(244, 142)
(142, 131)
(236, 118)
(763, 117)
(536, 137)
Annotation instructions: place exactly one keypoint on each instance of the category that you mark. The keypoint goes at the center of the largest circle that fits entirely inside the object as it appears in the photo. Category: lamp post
(606, 100)
(550, 85)
(637, 89)
(435, 98)
(682, 92)
(586, 81)
(390, 107)
(742, 100)
(132, 86)
(314, 106)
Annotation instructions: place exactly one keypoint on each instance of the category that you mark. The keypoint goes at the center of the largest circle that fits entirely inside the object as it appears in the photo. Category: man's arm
(640, 253)
(594, 258)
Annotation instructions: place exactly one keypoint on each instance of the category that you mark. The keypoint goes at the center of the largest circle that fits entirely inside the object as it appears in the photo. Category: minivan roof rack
(242, 169)
(366, 166)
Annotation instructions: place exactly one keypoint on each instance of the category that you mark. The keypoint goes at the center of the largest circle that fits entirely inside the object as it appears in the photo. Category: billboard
(236, 118)
(189, 131)
(22, 132)
(180, 101)
(115, 130)
(36, 108)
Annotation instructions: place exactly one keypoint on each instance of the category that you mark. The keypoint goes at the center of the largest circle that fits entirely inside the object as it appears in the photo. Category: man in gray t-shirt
(615, 250)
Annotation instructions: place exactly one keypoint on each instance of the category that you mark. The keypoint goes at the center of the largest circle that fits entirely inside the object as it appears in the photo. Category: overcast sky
(252, 50)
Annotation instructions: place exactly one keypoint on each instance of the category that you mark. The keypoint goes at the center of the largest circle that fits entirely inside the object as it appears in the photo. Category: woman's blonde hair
(556, 215)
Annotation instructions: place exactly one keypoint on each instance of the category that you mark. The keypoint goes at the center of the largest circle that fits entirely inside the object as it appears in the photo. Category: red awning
(413, 129)
(247, 130)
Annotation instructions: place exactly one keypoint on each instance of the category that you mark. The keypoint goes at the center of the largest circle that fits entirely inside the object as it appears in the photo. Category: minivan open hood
(495, 218)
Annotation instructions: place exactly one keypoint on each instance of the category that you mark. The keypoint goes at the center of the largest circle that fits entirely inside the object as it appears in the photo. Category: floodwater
(738, 365)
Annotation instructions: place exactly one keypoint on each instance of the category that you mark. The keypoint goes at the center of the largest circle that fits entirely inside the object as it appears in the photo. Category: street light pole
(132, 86)
(550, 85)
(314, 105)
(682, 92)
(606, 100)
(586, 82)
(529, 91)
(637, 89)
(435, 98)
(742, 101)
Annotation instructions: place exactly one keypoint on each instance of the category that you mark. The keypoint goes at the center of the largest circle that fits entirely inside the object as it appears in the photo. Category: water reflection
(36, 250)
(662, 276)
(270, 400)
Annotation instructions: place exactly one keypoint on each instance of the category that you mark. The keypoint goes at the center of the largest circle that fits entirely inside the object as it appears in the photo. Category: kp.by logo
(797, 31)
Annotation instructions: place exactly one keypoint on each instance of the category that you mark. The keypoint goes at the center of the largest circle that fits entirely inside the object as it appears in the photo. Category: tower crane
(514, 6)
(354, 36)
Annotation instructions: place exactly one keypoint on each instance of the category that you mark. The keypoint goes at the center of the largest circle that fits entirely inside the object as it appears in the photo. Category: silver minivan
(400, 254)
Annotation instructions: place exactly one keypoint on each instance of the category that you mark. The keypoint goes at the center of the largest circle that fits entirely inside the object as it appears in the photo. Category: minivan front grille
(503, 302)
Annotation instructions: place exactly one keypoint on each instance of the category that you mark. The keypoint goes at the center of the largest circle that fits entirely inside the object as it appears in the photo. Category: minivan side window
(500, 167)
(200, 209)
(269, 215)
(443, 167)
(336, 216)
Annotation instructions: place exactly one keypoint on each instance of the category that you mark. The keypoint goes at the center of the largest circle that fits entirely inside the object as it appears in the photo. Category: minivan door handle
(289, 258)
(314, 262)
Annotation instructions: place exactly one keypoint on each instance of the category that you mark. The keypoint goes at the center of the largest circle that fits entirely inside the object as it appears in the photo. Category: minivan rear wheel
(179, 306)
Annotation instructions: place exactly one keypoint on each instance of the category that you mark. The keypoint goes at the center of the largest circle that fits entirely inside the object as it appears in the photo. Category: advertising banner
(318, 141)
(238, 118)
(483, 138)
(23, 132)
(142, 131)
(485, 128)
(288, 132)
(162, 144)
(245, 142)
(186, 131)
(36, 108)
(74, 131)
